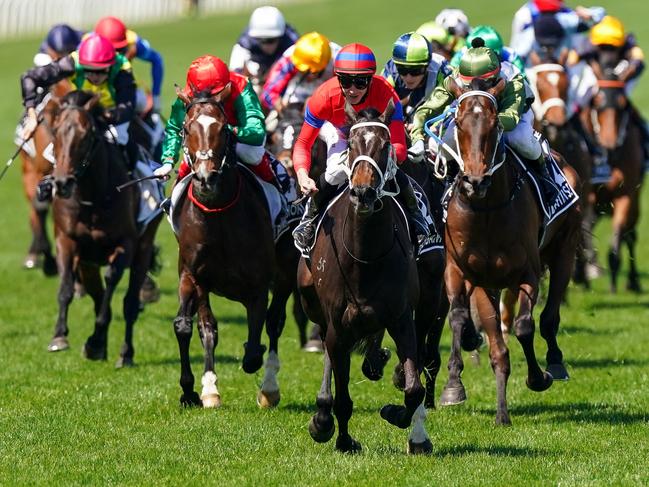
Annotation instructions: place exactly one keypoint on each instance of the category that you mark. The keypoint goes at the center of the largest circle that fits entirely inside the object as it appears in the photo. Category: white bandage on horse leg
(418, 434)
(271, 368)
(209, 382)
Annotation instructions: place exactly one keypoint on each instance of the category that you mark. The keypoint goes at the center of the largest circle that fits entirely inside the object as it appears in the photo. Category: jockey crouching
(356, 84)
(97, 68)
(209, 74)
(514, 111)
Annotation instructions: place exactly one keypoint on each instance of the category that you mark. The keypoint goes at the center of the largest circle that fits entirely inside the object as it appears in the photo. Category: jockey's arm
(305, 140)
(238, 58)
(438, 100)
(511, 103)
(44, 77)
(144, 52)
(398, 131)
(635, 58)
(279, 76)
(251, 129)
(172, 139)
(124, 86)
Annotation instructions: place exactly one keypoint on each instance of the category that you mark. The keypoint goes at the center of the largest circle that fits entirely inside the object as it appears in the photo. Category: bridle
(81, 167)
(541, 108)
(207, 154)
(384, 176)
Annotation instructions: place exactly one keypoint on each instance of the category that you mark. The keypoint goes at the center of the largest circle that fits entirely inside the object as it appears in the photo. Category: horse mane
(478, 84)
(78, 99)
(368, 114)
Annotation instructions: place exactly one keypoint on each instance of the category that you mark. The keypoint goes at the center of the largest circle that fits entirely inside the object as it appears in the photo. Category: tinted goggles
(411, 70)
(360, 82)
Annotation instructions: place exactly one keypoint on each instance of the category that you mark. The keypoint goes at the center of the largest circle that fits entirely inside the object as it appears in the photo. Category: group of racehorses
(363, 276)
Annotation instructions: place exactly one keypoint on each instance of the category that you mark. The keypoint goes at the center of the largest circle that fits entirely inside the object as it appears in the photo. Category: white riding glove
(163, 171)
(156, 103)
(417, 151)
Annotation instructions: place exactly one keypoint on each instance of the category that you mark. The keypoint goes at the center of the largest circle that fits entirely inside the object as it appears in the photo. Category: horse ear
(535, 59)
(386, 116)
(92, 102)
(563, 56)
(352, 116)
(180, 94)
(454, 88)
(224, 94)
(498, 88)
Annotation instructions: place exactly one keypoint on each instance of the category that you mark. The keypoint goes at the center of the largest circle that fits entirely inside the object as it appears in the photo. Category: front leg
(183, 329)
(322, 426)
(208, 331)
(66, 250)
(253, 357)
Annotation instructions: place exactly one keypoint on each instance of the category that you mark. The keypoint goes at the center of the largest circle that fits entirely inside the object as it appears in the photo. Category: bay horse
(362, 279)
(95, 224)
(550, 82)
(620, 136)
(226, 247)
(492, 243)
(34, 168)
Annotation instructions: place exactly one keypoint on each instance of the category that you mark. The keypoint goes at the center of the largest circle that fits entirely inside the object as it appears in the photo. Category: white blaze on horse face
(368, 138)
(553, 78)
(477, 109)
(205, 121)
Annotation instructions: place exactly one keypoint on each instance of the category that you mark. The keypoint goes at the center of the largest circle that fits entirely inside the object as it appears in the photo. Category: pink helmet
(96, 52)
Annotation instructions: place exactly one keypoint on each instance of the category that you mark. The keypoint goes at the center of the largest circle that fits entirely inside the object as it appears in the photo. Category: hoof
(124, 362)
(322, 434)
(268, 400)
(633, 285)
(210, 401)
(452, 395)
(396, 415)
(313, 346)
(58, 344)
(348, 444)
(253, 359)
(399, 377)
(30, 262)
(540, 385)
(425, 448)
(374, 364)
(475, 358)
(92, 353)
(49, 266)
(502, 419)
(149, 292)
(190, 400)
(557, 371)
(593, 271)
(471, 339)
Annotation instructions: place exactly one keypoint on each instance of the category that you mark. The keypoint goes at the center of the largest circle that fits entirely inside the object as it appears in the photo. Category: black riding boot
(409, 201)
(44, 189)
(304, 233)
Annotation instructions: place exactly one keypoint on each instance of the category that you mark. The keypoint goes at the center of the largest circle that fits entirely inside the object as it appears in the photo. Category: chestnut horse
(95, 224)
(363, 279)
(620, 136)
(492, 243)
(226, 247)
(35, 168)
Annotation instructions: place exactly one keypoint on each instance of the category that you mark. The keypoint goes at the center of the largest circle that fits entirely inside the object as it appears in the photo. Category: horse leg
(183, 330)
(458, 317)
(343, 405)
(208, 332)
(592, 270)
(486, 303)
(633, 278)
(621, 209)
(301, 320)
(96, 345)
(253, 357)
(66, 248)
(376, 358)
(507, 304)
(537, 380)
(322, 426)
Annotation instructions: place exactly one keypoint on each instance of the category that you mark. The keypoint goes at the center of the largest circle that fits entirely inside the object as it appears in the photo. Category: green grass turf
(64, 420)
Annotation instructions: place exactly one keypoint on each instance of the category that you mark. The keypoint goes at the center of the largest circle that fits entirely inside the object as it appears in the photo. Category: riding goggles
(360, 82)
(410, 70)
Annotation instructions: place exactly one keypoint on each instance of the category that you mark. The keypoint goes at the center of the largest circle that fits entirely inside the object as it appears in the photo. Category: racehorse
(361, 279)
(95, 224)
(492, 243)
(226, 247)
(35, 168)
(619, 135)
(550, 83)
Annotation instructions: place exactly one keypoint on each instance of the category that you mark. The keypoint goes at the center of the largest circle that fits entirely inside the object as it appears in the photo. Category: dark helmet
(63, 39)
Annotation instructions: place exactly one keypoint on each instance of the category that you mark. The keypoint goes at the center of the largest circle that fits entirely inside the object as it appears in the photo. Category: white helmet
(266, 23)
(454, 21)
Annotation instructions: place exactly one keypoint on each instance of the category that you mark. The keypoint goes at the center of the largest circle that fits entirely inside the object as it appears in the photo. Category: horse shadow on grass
(309, 407)
(606, 362)
(193, 359)
(465, 450)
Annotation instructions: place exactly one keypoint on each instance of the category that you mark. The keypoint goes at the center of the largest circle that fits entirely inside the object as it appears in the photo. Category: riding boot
(541, 165)
(44, 189)
(264, 171)
(131, 154)
(304, 233)
(409, 201)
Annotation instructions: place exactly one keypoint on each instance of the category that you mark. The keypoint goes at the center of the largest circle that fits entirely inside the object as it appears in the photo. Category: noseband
(541, 108)
(208, 154)
(390, 169)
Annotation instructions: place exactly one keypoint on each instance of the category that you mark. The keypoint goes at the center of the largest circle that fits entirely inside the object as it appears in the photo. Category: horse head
(478, 133)
(371, 162)
(207, 136)
(75, 136)
(283, 138)
(549, 82)
(610, 102)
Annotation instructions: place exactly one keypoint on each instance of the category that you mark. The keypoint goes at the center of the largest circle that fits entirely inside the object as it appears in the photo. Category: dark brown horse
(35, 168)
(549, 80)
(492, 243)
(619, 135)
(362, 279)
(95, 225)
(225, 247)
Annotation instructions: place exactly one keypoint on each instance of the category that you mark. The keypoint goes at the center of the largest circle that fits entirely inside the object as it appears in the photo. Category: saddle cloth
(151, 193)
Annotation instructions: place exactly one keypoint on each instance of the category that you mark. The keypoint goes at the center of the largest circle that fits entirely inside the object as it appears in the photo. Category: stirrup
(165, 205)
(304, 242)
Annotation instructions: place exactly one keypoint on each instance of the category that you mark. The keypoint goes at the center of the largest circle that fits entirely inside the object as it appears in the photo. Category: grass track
(66, 421)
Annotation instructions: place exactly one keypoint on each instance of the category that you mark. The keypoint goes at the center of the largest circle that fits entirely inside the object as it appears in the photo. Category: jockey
(357, 84)
(414, 71)
(94, 67)
(301, 69)
(514, 111)
(572, 21)
(243, 111)
(60, 41)
(456, 24)
(441, 41)
(263, 42)
(493, 41)
(131, 45)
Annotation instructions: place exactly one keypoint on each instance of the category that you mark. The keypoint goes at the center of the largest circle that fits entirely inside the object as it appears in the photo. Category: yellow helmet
(609, 31)
(311, 53)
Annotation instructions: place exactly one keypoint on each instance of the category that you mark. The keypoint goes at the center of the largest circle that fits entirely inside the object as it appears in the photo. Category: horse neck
(226, 190)
(103, 174)
(369, 237)
(498, 193)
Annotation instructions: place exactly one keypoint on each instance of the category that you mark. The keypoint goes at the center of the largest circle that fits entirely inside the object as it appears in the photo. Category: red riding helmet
(206, 73)
(548, 5)
(355, 59)
(114, 30)
(96, 52)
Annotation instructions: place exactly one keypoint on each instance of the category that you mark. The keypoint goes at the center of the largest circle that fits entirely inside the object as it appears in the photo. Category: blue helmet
(63, 39)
